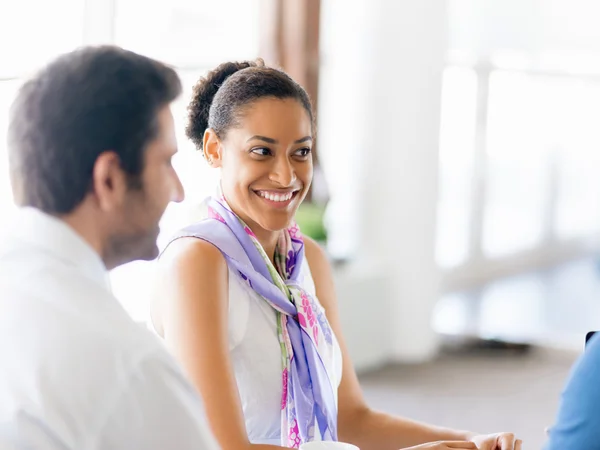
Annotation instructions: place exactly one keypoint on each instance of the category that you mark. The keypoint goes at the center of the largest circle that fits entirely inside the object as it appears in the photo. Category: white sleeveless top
(256, 356)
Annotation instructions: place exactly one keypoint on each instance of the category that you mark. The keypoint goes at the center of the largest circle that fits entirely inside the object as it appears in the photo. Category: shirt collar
(54, 236)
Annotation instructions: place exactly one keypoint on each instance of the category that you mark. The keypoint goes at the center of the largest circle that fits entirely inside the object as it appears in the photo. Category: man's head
(90, 140)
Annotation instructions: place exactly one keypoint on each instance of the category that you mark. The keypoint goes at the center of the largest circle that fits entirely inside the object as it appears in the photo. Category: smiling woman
(266, 164)
(265, 176)
(255, 124)
(246, 291)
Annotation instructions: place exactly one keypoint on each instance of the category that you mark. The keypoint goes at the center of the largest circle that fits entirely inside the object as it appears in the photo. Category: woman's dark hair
(219, 98)
(86, 102)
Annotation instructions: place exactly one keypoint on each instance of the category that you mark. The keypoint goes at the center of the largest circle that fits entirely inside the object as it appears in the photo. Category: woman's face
(266, 163)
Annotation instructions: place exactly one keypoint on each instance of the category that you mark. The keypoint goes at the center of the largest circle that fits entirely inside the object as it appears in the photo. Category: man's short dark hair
(84, 103)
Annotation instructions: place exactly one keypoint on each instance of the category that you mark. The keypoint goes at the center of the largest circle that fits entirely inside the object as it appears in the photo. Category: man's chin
(148, 251)
(151, 253)
(124, 249)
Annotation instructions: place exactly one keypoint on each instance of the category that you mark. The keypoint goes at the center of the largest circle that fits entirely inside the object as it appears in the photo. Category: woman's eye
(303, 152)
(261, 151)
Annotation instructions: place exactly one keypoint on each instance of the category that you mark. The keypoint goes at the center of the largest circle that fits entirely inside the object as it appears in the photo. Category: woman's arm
(357, 423)
(192, 314)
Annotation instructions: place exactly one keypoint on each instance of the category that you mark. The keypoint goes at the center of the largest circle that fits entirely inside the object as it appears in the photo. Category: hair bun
(203, 94)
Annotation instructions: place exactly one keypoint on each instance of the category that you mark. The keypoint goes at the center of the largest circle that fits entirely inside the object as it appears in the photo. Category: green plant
(309, 218)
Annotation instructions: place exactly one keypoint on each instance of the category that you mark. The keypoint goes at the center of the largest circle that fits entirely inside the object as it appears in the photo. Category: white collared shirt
(75, 371)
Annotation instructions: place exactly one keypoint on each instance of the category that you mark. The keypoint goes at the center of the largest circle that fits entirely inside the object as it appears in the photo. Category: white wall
(379, 126)
(540, 29)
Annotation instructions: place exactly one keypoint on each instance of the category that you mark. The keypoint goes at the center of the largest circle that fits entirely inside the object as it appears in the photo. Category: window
(457, 142)
(189, 33)
(576, 159)
(18, 26)
(30, 39)
(527, 192)
(8, 90)
(192, 35)
(516, 163)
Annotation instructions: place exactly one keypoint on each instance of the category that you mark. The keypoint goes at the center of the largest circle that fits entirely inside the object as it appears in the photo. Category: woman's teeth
(276, 197)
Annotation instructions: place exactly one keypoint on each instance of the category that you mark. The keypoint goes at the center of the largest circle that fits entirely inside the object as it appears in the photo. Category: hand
(445, 445)
(497, 441)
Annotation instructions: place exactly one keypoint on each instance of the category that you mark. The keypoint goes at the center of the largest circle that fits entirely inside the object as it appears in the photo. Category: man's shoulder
(582, 391)
(76, 361)
(94, 340)
(55, 316)
(590, 359)
(76, 393)
(578, 417)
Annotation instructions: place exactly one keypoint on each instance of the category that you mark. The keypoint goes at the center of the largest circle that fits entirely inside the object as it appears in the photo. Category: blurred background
(457, 185)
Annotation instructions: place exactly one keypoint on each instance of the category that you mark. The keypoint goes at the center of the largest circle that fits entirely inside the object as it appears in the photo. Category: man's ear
(212, 148)
(109, 181)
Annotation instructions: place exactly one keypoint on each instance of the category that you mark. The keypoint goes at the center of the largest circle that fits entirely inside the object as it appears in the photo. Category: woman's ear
(212, 148)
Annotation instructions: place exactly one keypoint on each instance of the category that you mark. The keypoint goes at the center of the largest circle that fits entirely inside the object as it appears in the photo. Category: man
(578, 423)
(90, 145)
